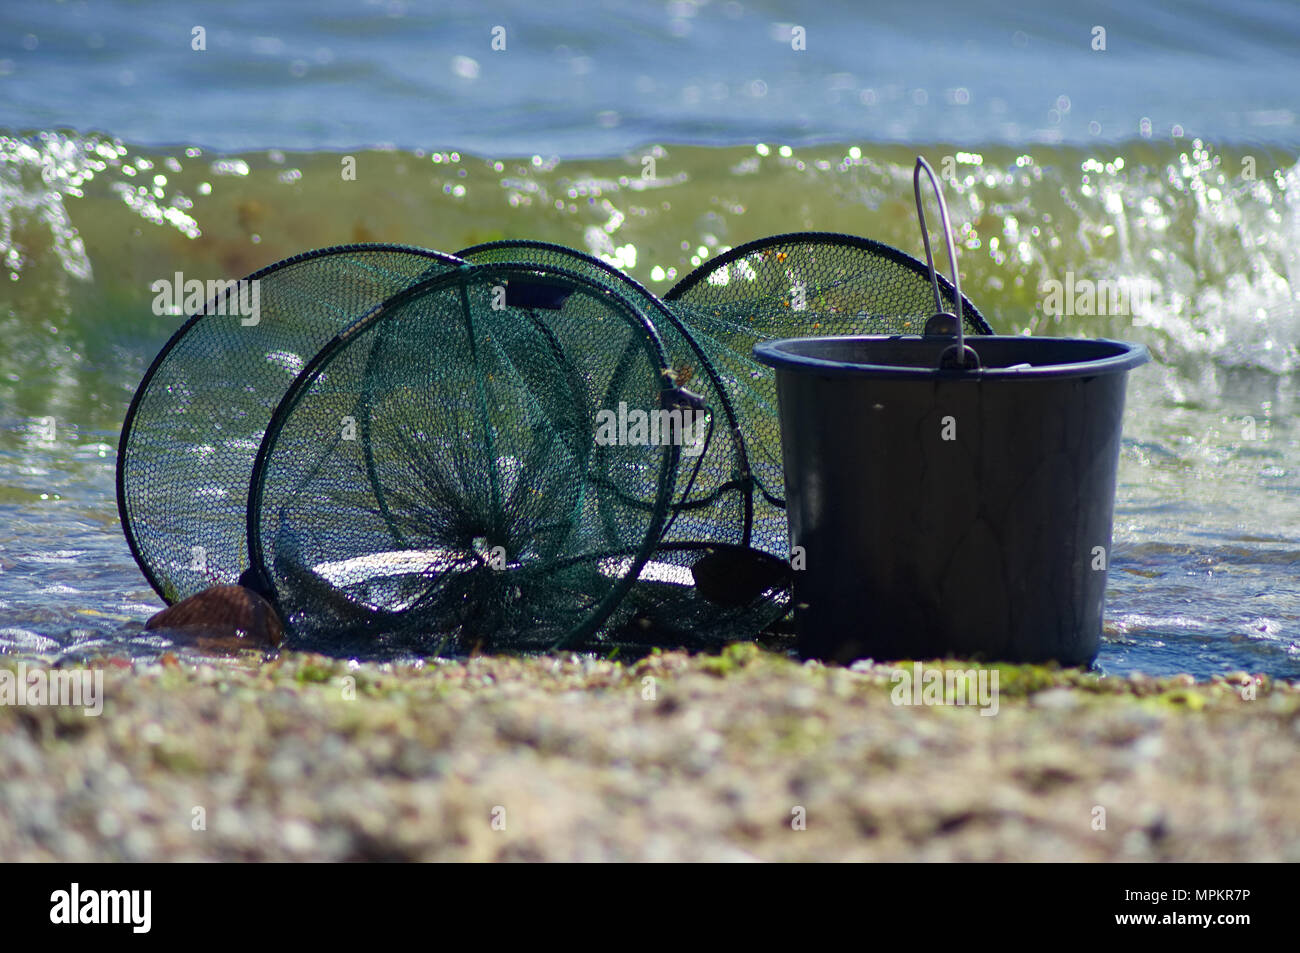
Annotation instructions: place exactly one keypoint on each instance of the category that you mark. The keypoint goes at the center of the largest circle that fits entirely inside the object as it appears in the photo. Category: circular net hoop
(437, 477)
(712, 503)
(194, 425)
(798, 285)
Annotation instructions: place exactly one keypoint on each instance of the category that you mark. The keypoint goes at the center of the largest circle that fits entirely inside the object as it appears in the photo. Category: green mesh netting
(434, 477)
(711, 520)
(193, 428)
(409, 451)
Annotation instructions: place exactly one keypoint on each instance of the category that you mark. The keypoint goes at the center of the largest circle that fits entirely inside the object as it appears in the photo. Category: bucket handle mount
(943, 322)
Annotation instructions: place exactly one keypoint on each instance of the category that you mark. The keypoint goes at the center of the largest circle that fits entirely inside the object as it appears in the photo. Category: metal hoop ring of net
(435, 478)
(195, 422)
(704, 586)
(801, 284)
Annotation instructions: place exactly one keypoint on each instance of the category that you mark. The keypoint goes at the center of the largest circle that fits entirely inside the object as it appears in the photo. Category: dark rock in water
(223, 618)
(737, 575)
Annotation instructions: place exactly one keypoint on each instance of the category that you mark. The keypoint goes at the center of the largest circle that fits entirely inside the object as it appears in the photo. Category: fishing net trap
(517, 447)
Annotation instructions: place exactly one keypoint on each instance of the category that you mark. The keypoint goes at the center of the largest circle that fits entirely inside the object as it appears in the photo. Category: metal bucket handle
(943, 322)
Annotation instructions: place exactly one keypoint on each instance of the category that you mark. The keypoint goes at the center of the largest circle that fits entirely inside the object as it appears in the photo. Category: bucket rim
(775, 354)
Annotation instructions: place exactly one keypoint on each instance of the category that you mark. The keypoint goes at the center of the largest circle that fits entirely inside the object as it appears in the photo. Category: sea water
(1147, 190)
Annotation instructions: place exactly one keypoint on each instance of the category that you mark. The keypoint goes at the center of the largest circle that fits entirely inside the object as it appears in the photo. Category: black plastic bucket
(950, 512)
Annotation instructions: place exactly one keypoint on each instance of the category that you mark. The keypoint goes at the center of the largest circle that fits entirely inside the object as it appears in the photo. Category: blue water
(598, 78)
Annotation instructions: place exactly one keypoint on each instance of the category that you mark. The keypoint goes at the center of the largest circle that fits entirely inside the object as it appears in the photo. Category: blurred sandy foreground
(743, 756)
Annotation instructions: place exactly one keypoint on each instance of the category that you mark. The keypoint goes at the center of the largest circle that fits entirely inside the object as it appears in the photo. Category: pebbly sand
(743, 756)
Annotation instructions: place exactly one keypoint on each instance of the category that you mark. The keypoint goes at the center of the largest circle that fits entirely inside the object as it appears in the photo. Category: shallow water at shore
(1205, 574)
